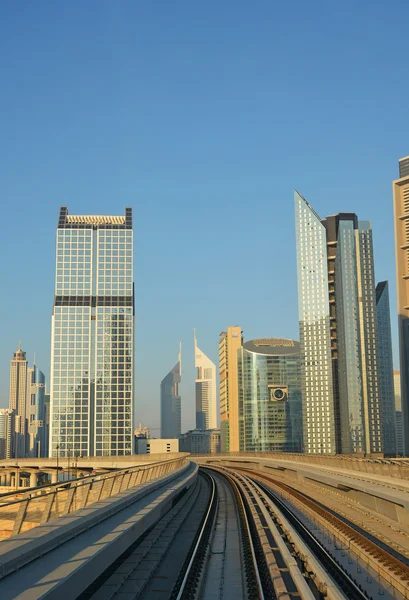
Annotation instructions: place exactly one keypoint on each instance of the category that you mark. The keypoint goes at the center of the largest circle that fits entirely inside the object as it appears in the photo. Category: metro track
(388, 563)
(231, 535)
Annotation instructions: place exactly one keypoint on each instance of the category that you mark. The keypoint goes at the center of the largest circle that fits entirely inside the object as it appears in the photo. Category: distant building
(171, 402)
(229, 344)
(141, 431)
(200, 441)
(206, 400)
(401, 218)
(270, 410)
(385, 369)
(7, 433)
(156, 446)
(17, 399)
(36, 414)
(398, 413)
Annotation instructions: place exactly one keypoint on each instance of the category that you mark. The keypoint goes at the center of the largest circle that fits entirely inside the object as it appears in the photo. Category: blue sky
(203, 117)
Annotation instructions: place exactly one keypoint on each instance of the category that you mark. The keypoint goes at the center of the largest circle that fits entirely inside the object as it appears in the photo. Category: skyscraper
(336, 278)
(229, 344)
(270, 412)
(316, 330)
(385, 369)
(206, 400)
(7, 433)
(36, 417)
(398, 412)
(171, 402)
(91, 391)
(401, 218)
(17, 399)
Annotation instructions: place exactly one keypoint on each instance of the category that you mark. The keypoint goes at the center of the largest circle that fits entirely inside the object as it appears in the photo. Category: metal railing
(41, 505)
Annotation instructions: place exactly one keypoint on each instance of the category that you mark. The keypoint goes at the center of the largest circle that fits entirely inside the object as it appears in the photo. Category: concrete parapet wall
(105, 529)
(381, 494)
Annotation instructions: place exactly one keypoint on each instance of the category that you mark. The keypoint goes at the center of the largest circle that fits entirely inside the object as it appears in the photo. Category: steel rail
(206, 526)
(349, 586)
(391, 562)
(247, 530)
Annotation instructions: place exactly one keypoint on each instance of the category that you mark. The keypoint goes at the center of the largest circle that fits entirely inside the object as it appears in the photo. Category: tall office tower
(316, 329)
(385, 368)
(47, 422)
(270, 404)
(91, 392)
(7, 433)
(229, 344)
(398, 413)
(401, 218)
(206, 400)
(36, 426)
(344, 246)
(171, 402)
(17, 399)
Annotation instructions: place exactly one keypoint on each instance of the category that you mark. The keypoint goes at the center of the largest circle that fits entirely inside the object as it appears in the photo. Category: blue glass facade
(270, 417)
(171, 403)
(385, 359)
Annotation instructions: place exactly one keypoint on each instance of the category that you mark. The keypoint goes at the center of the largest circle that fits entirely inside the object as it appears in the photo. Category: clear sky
(202, 116)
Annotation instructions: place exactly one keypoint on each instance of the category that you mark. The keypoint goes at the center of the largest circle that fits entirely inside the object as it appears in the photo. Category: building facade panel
(91, 392)
(315, 342)
(171, 402)
(229, 344)
(205, 388)
(401, 220)
(385, 369)
(270, 396)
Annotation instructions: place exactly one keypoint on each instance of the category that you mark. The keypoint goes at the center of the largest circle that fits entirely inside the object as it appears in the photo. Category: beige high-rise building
(17, 398)
(401, 218)
(230, 341)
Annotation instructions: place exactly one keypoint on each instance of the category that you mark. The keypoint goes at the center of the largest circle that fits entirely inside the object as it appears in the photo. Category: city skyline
(218, 157)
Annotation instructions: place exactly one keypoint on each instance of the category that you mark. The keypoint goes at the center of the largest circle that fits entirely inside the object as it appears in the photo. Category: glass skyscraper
(315, 330)
(401, 218)
(171, 402)
(339, 279)
(385, 360)
(91, 391)
(270, 418)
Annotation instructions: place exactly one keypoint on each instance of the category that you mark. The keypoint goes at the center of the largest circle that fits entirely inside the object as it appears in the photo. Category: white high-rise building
(91, 391)
(315, 342)
(206, 399)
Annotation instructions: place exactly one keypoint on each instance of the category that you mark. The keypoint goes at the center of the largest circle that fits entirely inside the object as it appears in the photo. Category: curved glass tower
(270, 417)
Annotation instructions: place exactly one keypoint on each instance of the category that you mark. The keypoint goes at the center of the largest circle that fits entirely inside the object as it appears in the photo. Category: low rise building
(200, 441)
(156, 445)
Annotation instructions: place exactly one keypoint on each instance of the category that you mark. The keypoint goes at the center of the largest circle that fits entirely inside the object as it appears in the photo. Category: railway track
(197, 569)
(389, 566)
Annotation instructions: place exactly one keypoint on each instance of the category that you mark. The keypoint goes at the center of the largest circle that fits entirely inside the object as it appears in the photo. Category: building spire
(180, 358)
